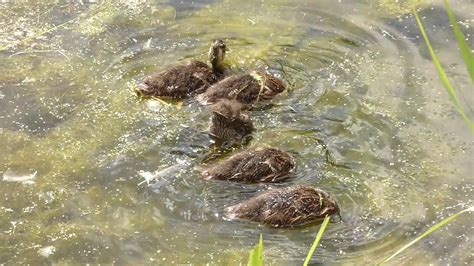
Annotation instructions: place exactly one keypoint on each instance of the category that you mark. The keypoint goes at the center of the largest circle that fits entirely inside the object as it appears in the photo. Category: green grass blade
(463, 47)
(316, 240)
(425, 234)
(256, 254)
(442, 74)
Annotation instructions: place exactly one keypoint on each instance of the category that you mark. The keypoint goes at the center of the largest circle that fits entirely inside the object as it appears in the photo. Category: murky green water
(361, 82)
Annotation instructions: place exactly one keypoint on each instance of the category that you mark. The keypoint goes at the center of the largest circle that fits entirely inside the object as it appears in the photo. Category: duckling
(230, 122)
(252, 166)
(245, 88)
(286, 207)
(185, 80)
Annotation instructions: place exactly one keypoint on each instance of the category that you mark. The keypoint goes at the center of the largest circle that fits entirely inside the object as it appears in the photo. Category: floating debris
(159, 174)
(46, 251)
(27, 179)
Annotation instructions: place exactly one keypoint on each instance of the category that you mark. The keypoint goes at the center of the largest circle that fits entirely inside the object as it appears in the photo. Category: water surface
(366, 118)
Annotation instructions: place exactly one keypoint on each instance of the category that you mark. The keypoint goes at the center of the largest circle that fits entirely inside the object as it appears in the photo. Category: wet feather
(252, 166)
(244, 88)
(286, 207)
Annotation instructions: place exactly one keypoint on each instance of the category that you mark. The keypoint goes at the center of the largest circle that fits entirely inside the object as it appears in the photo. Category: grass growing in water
(469, 62)
(427, 233)
(256, 256)
(444, 78)
(463, 47)
(316, 240)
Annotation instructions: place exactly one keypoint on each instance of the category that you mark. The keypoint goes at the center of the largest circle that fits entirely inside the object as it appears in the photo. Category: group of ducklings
(230, 98)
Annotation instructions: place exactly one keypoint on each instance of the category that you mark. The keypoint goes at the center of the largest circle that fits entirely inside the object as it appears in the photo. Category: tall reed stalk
(427, 233)
(442, 74)
(316, 240)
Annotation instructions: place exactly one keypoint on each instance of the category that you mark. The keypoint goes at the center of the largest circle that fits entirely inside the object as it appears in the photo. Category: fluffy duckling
(245, 88)
(230, 122)
(185, 80)
(252, 166)
(286, 207)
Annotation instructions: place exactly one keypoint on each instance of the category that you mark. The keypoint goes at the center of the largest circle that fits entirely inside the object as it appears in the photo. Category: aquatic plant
(427, 233)
(461, 39)
(316, 240)
(400, 6)
(410, 6)
(442, 74)
(256, 256)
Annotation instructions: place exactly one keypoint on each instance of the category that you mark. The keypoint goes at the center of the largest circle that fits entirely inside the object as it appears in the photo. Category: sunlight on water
(92, 174)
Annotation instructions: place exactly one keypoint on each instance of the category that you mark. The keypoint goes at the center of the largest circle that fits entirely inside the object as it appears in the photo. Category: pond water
(92, 174)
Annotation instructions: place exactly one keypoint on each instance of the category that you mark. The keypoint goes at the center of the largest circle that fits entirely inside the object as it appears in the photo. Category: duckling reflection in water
(286, 207)
(252, 166)
(230, 123)
(245, 88)
(185, 80)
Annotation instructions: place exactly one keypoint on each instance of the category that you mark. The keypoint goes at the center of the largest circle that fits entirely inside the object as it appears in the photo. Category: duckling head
(217, 54)
(230, 121)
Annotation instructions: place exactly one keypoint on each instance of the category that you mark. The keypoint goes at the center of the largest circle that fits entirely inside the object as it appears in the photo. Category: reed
(256, 254)
(444, 78)
(316, 240)
(461, 39)
(255, 257)
(427, 233)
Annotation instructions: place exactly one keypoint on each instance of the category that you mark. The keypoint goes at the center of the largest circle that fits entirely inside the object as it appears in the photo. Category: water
(91, 174)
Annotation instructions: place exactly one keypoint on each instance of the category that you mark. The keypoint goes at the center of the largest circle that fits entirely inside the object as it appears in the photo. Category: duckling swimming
(245, 88)
(252, 166)
(286, 207)
(185, 80)
(230, 122)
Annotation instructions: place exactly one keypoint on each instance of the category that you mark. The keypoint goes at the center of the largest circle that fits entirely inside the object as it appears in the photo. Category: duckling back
(252, 166)
(245, 88)
(179, 81)
(286, 207)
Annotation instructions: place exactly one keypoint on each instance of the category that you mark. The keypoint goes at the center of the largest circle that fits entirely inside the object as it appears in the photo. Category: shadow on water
(103, 177)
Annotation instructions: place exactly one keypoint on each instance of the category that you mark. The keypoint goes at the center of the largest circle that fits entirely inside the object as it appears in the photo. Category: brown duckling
(230, 122)
(286, 207)
(245, 88)
(252, 166)
(185, 80)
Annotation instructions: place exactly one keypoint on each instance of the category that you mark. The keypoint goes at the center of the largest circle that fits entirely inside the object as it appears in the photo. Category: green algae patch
(397, 7)
(100, 16)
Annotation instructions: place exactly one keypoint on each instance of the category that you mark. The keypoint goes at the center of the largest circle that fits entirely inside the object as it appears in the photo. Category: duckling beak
(141, 88)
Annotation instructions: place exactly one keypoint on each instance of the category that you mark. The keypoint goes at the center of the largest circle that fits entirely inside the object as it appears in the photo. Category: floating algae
(364, 118)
